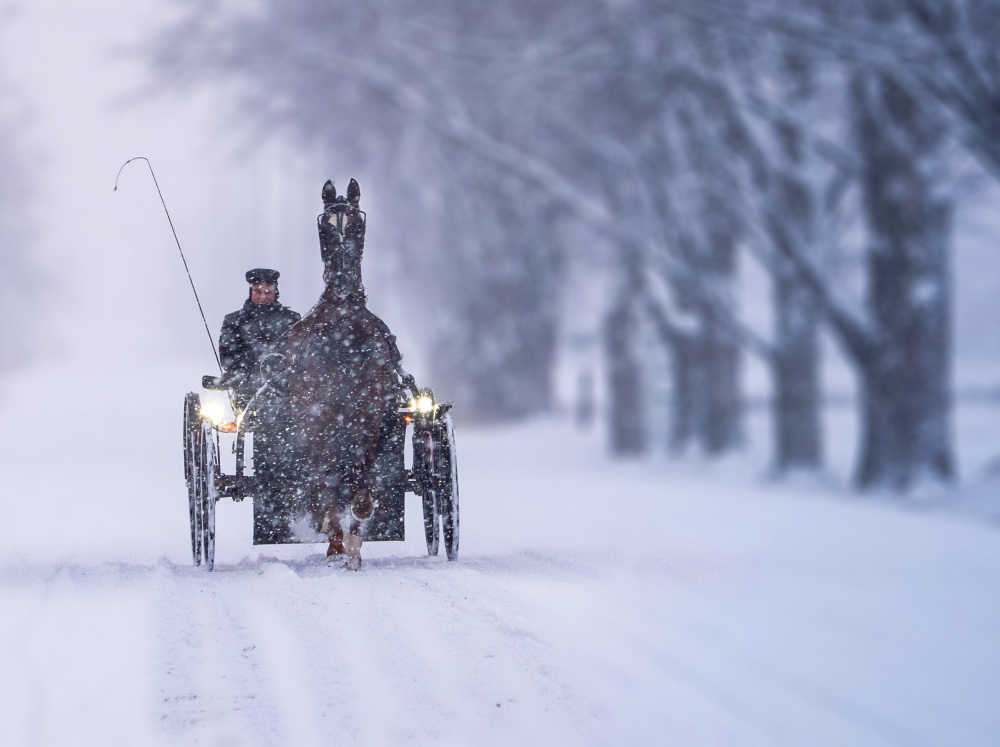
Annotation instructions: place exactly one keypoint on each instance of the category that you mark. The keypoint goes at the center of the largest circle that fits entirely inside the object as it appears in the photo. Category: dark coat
(248, 334)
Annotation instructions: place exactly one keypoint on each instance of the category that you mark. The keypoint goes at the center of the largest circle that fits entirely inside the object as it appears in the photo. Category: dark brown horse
(342, 383)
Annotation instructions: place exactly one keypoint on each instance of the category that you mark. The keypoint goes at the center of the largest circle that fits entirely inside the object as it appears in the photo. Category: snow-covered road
(594, 603)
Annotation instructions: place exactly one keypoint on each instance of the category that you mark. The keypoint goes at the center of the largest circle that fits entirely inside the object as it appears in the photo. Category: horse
(342, 384)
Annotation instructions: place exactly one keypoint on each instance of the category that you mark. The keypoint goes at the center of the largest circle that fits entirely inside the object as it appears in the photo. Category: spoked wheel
(201, 467)
(423, 458)
(192, 457)
(209, 494)
(446, 480)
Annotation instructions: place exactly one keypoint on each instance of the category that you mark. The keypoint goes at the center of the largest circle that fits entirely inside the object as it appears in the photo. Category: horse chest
(339, 354)
(344, 348)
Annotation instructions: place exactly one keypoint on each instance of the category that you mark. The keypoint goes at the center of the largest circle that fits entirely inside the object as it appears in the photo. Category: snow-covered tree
(433, 120)
(673, 134)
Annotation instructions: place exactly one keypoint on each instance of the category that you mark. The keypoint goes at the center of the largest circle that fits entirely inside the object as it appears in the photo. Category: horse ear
(329, 193)
(354, 193)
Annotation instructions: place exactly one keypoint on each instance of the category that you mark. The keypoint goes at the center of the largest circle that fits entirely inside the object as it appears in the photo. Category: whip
(177, 241)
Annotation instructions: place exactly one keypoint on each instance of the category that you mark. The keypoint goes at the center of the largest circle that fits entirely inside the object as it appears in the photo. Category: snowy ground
(594, 602)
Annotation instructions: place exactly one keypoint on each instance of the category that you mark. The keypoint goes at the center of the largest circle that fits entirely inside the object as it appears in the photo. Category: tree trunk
(497, 355)
(685, 395)
(713, 352)
(905, 399)
(795, 370)
(500, 296)
(706, 409)
(626, 401)
(795, 364)
(722, 406)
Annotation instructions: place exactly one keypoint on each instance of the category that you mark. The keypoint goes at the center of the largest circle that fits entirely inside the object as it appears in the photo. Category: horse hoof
(336, 548)
(352, 546)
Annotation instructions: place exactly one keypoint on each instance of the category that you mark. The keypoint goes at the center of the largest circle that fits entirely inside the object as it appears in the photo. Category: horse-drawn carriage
(433, 474)
(337, 408)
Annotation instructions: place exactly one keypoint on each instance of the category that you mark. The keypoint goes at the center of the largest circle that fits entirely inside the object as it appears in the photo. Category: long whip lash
(201, 311)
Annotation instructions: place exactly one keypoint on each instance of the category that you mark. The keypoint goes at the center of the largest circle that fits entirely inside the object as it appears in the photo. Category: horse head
(342, 240)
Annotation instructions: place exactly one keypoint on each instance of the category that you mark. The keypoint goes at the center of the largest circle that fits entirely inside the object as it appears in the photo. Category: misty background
(571, 202)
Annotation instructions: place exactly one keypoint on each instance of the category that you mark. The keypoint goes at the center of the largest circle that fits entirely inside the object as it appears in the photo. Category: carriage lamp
(213, 411)
(422, 404)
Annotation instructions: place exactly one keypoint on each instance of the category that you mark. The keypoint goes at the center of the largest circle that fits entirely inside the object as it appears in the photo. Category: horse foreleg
(334, 531)
(348, 545)
(326, 521)
(362, 508)
(352, 545)
(330, 525)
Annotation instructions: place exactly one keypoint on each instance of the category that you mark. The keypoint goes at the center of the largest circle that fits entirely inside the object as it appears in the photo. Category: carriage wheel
(446, 478)
(192, 454)
(208, 492)
(431, 533)
(423, 458)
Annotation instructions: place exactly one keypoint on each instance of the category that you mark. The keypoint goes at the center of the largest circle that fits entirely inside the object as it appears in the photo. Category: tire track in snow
(280, 647)
(466, 616)
(343, 674)
(506, 673)
(401, 653)
(212, 687)
(354, 637)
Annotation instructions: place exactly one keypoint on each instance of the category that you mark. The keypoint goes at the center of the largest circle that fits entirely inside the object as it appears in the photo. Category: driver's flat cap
(262, 275)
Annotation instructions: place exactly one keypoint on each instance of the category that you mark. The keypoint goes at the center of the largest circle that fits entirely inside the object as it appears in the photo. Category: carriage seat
(214, 383)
